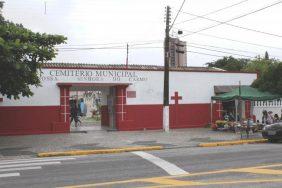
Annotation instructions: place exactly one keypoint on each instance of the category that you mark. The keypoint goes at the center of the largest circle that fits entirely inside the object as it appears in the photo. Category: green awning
(246, 93)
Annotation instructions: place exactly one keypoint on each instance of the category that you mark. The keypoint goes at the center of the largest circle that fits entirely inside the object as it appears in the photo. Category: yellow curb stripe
(100, 151)
(235, 142)
(260, 171)
(171, 182)
(220, 183)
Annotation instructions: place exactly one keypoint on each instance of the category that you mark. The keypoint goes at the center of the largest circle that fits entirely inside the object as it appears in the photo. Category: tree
(259, 65)
(270, 79)
(22, 53)
(266, 56)
(229, 63)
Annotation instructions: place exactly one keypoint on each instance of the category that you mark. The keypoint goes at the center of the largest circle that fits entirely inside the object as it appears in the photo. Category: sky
(111, 24)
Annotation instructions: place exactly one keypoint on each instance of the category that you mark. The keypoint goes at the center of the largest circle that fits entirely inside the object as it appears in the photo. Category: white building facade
(132, 97)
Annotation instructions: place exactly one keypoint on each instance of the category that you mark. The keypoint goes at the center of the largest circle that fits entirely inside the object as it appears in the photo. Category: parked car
(272, 132)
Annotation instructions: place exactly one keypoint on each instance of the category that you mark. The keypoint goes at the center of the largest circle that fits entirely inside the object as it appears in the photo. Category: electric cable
(177, 15)
(238, 17)
(212, 12)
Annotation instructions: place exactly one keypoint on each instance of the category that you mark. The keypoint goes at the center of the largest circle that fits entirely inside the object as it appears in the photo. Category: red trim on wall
(189, 115)
(120, 103)
(140, 117)
(19, 120)
(131, 94)
(248, 109)
(47, 119)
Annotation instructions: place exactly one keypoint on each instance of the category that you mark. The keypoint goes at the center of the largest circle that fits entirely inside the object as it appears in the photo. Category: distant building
(178, 55)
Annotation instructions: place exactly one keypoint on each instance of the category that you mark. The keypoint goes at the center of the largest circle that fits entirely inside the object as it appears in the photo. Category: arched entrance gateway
(131, 97)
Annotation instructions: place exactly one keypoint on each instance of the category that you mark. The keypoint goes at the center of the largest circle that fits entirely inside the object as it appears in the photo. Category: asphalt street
(257, 165)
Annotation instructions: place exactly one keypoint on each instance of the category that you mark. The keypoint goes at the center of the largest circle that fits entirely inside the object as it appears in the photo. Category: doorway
(94, 107)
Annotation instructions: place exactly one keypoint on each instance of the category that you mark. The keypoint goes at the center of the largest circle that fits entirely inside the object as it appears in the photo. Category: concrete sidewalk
(30, 145)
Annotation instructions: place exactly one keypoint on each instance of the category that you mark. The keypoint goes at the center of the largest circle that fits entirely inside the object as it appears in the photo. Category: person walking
(74, 112)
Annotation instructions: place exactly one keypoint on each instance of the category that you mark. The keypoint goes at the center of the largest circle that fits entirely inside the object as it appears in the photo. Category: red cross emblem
(176, 97)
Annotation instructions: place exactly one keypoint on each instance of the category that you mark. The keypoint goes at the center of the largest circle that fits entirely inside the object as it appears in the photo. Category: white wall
(48, 95)
(274, 106)
(194, 87)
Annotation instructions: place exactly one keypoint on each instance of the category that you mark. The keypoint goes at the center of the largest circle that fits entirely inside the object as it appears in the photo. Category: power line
(152, 47)
(177, 15)
(204, 53)
(212, 12)
(114, 48)
(231, 49)
(221, 51)
(233, 40)
(114, 43)
(89, 48)
(238, 17)
(196, 52)
(233, 25)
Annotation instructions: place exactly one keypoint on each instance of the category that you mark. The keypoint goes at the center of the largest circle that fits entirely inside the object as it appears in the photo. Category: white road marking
(29, 164)
(9, 175)
(34, 160)
(20, 169)
(170, 168)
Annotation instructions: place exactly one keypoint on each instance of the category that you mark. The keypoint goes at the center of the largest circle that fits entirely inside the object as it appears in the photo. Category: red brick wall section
(248, 109)
(140, 117)
(189, 115)
(64, 104)
(28, 120)
(217, 111)
(120, 106)
(21, 120)
(42, 119)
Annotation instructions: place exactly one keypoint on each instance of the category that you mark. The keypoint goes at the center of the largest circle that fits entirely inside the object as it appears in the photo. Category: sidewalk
(29, 145)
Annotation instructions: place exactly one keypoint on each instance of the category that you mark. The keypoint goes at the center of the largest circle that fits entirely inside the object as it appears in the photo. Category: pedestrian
(270, 118)
(276, 118)
(74, 112)
(264, 117)
(81, 107)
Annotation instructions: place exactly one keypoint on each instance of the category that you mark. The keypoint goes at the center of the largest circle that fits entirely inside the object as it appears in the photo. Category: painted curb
(99, 151)
(234, 142)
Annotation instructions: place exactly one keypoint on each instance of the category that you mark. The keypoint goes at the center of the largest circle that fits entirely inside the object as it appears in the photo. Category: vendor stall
(243, 98)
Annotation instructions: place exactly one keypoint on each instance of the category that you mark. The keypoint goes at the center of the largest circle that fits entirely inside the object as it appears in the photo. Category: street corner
(99, 151)
(232, 142)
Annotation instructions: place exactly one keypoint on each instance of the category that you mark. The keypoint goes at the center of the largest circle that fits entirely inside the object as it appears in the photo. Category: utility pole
(127, 55)
(166, 73)
(45, 7)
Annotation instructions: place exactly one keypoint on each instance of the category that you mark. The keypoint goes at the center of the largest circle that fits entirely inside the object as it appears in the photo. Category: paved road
(257, 165)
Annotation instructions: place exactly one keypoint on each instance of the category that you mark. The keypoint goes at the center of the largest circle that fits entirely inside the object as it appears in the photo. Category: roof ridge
(124, 66)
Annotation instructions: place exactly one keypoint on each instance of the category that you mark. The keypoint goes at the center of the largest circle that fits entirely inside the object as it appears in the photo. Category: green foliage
(229, 63)
(269, 71)
(266, 56)
(270, 79)
(259, 65)
(22, 53)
